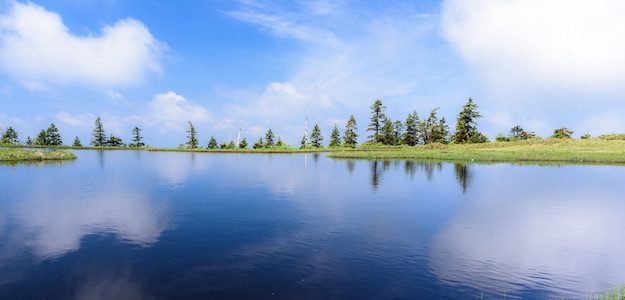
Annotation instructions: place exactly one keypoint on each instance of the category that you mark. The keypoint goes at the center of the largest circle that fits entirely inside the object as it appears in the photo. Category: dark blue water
(133, 225)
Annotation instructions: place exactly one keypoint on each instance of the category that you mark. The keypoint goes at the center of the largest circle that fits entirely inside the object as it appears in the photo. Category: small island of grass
(17, 155)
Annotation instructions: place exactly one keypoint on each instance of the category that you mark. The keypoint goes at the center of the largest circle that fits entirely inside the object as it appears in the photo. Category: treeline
(382, 130)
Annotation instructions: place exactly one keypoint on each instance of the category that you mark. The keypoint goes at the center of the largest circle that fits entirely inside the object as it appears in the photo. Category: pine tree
(53, 137)
(137, 138)
(434, 130)
(279, 143)
(315, 137)
(40, 140)
(99, 136)
(10, 137)
(243, 143)
(77, 142)
(466, 126)
(562, 133)
(212, 143)
(269, 138)
(259, 144)
(335, 137)
(29, 141)
(192, 142)
(411, 135)
(350, 136)
(377, 118)
(114, 141)
(398, 132)
(387, 134)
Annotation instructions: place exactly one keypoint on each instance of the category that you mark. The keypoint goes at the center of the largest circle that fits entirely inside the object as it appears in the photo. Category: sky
(254, 65)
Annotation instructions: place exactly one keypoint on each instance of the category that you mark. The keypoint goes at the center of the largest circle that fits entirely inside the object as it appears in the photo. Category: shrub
(562, 133)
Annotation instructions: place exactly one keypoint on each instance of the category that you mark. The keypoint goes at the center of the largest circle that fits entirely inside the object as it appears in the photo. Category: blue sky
(255, 65)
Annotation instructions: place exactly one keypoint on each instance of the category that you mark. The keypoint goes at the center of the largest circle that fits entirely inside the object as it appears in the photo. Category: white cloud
(172, 111)
(561, 44)
(36, 47)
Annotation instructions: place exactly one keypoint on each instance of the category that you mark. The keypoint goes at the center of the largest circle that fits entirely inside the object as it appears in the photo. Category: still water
(135, 225)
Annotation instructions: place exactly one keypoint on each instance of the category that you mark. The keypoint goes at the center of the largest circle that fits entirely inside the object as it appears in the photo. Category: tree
(137, 138)
(433, 129)
(259, 144)
(398, 131)
(40, 140)
(53, 137)
(10, 137)
(562, 133)
(279, 143)
(411, 135)
(114, 141)
(466, 126)
(350, 136)
(243, 144)
(315, 137)
(269, 138)
(99, 136)
(377, 118)
(518, 133)
(335, 137)
(304, 143)
(77, 142)
(29, 141)
(192, 142)
(387, 133)
(212, 143)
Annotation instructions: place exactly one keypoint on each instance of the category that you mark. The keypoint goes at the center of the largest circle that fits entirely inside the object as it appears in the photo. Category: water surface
(133, 225)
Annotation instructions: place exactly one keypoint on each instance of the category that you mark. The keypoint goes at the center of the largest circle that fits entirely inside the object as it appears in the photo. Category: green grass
(19, 155)
(550, 150)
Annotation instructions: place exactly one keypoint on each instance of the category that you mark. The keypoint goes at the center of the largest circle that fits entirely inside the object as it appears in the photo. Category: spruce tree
(77, 142)
(259, 144)
(433, 129)
(29, 141)
(304, 143)
(398, 132)
(411, 134)
(212, 143)
(53, 137)
(466, 126)
(335, 137)
(10, 137)
(350, 136)
(315, 137)
(269, 138)
(377, 118)
(279, 143)
(387, 134)
(40, 140)
(192, 142)
(137, 139)
(243, 143)
(114, 141)
(98, 138)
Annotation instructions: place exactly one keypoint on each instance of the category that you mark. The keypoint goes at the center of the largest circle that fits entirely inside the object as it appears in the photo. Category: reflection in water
(463, 175)
(101, 158)
(350, 165)
(376, 173)
(114, 286)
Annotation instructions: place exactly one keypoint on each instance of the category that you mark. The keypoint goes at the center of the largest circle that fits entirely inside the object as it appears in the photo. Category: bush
(502, 138)
(562, 133)
(586, 136)
(613, 137)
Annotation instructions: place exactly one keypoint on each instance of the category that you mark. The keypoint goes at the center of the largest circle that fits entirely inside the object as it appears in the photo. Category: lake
(158, 225)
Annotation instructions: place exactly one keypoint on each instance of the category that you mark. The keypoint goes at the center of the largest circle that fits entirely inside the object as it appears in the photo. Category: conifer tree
(377, 118)
(304, 143)
(10, 137)
(269, 138)
(231, 145)
(99, 136)
(53, 137)
(29, 141)
(114, 141)
(398, 132)
(192, 142)
(562, 133)
(350, 136)
(466, 125)
(40, 140)
(315, 137)
(335, 137)
(411, 135)
(259, 144)
(243, 143)
(434, 130)
(279, 143)
(137, 139)
(77, 142)
(387, 135)
(212, 143)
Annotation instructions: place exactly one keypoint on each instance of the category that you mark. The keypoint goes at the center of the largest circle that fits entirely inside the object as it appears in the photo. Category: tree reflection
(376, 173)
(464, 175)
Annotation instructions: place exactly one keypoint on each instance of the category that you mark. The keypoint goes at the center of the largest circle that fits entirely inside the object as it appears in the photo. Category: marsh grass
(18, 155)
(549, 150)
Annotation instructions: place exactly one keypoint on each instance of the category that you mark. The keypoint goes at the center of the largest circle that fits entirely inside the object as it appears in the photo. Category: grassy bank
(550, 150)
(17, 155)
